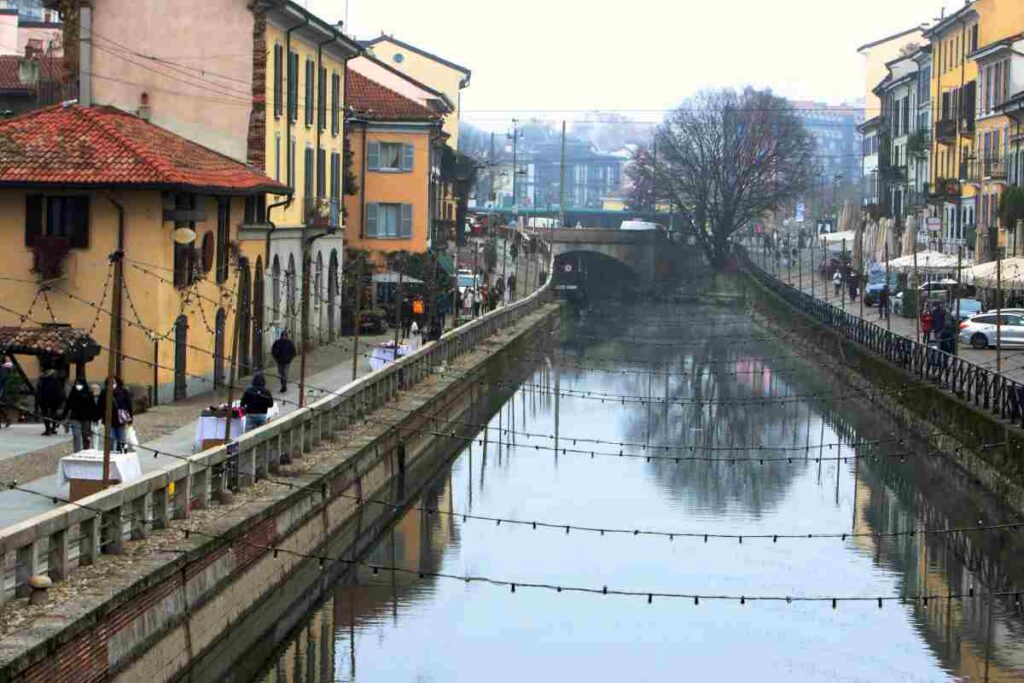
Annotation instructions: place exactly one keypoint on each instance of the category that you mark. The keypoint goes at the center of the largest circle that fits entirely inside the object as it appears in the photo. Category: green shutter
(33, 218)
(407, 154)
(371, 220)
(373, 154)
(406, 228)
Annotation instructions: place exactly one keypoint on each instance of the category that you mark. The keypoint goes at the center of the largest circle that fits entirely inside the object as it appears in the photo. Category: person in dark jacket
(283, 352)
(256, 401)
(122, 415)
(51, 397)
(80, 409)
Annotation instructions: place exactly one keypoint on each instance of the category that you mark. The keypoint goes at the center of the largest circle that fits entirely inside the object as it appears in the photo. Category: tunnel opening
(582, 276)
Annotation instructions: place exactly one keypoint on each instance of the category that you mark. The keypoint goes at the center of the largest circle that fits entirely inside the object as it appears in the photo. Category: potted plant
(48, 255)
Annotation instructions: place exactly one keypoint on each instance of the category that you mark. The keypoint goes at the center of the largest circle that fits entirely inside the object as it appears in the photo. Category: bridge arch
(594, 270)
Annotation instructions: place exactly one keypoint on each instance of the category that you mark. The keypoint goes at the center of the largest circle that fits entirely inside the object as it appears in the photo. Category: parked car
(968, 308)
(980, 331)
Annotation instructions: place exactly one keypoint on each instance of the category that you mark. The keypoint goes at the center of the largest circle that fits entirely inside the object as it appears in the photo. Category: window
(277, 157)
(256, 209)
(321, 104)
(307, 183)
(184, 254)
(974, 38)
(291, 165)
(321, 173)
(293, 86)
(64, 217)
(310, 81)
(390, 156)
(335, 104)
(335, 175)
(389, 221)
(278, 80)
(223, 237)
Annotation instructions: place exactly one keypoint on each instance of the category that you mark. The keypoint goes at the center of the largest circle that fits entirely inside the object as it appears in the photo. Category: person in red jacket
(926, 325)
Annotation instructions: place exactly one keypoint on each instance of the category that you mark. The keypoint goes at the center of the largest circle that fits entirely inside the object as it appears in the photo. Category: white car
(981, 330)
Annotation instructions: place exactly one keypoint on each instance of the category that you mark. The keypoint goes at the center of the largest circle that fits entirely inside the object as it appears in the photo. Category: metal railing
(981, 387)
(75, 534)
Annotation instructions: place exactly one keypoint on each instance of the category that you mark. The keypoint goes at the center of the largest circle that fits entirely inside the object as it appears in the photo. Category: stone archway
(332, 293)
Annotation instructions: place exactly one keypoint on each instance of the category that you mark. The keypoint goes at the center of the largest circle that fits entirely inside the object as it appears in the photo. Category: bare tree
(726, 158)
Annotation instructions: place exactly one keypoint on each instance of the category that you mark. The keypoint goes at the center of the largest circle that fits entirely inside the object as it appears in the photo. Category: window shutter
(80, 228)
(406, 229)
(407, 152)
(371, 220)
(373, 153)
(33, 218)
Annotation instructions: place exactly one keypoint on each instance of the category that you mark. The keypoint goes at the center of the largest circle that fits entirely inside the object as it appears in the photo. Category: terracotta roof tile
(104, 146)
(49, 70)
(372, 100)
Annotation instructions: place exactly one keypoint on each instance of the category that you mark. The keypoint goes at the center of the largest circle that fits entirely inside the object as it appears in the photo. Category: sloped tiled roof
(78, 146)
(370, 99)
(49, 70)
(49, 340)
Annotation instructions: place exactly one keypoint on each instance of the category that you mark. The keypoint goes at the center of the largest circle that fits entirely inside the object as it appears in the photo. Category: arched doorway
(289, 278)
(275, 293)
(219, 330)
(244, 316)
(332, 292)
(257, 315)
(180, 358)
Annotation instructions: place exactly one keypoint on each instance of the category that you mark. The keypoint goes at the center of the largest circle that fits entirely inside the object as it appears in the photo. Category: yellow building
(396, 143)
(443, 76)
(877, 55)
(959, 132)
(80, 186)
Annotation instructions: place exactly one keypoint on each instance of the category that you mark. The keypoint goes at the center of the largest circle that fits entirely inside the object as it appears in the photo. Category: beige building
(877, 55)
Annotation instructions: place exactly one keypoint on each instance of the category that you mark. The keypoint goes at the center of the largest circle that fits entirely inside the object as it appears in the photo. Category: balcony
(945, 131)
(322, 212)
(995, 168)
(946, 189)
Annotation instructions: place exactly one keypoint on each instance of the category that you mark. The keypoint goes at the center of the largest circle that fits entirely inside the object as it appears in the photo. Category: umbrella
(1011, 277)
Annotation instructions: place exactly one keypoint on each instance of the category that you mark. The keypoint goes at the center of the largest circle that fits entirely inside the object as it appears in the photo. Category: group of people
(850, 279)
(940, 324)
(78, 409)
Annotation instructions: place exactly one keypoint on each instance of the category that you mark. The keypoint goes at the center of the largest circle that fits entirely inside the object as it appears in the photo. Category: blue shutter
(373, 156)
(406, 228)
(407, 152)
(371, 220)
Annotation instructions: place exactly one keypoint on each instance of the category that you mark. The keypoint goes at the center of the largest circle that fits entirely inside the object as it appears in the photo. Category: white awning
(927, 262)
(1010, 277)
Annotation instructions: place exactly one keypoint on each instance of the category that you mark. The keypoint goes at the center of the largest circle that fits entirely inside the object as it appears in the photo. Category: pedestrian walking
(51, 397)
(283, 352)
(926, 325)
(415, 337)
(406, 316)
(256, 401)
(883, 302)
(938, 318)
(80, 412)
(122, 415)
(837, 281)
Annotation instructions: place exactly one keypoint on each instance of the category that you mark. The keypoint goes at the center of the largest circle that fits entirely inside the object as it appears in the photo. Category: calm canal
(730, 387)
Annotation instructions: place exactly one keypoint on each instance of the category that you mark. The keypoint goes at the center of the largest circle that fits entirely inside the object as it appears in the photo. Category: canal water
(784, 454)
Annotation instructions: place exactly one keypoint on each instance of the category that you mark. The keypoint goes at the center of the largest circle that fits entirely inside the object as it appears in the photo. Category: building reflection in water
(973, 639)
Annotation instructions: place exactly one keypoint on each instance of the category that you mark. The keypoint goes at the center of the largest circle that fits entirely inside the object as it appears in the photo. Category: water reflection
(392, 626)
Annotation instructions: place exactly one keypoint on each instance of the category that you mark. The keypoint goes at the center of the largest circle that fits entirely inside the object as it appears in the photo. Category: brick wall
(257, 147)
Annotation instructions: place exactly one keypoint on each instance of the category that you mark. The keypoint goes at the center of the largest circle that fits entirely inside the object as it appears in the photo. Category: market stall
(386, 353)
(81, 474)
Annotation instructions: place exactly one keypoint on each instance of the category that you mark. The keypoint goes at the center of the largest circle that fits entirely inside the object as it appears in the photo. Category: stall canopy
(59, 341)
(986, 275)
(927, 262)
(391, 277)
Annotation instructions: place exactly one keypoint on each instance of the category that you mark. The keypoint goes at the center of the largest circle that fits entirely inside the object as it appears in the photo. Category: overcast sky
(645, 55)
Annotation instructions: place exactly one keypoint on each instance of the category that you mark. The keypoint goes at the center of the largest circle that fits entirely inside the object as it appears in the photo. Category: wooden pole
(356, 322)
(959, 275)
(112, 354)
(234, 356)
(999, 310)
(920, 304)
(304, 333)
(398, 303)
(888, 294)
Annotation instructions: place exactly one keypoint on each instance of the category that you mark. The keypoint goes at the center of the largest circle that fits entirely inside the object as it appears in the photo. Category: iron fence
(983, 388)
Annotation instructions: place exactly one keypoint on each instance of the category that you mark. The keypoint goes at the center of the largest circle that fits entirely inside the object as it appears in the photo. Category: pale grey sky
(637, 55)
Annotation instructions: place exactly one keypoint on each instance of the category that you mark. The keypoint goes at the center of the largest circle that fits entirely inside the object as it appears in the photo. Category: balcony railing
(322, 211)
(945, 131)
(995, 168)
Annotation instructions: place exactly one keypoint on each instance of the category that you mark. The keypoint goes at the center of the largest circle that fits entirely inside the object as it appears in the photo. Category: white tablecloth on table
(273, 411)
(384, 354)
(88, 464)
(210, 427)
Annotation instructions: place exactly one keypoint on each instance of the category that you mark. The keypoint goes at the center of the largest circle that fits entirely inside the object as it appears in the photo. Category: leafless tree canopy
(723, 159)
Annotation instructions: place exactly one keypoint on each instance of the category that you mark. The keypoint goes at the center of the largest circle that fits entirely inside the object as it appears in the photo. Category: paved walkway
(169, 428)
(802, 273)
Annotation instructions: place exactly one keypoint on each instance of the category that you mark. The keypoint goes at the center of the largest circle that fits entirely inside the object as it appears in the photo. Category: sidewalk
(803, 271)
(169, 428)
